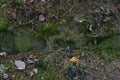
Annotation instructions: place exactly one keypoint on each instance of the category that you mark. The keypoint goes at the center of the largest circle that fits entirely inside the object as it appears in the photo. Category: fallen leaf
(74, 59)
(37, 7)
(59, 49)
(83, 20)
(13, 13)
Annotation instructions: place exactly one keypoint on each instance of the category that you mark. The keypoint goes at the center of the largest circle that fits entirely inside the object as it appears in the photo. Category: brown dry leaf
(13, 13)
(59, 49)
(74, 59)
(37, 7)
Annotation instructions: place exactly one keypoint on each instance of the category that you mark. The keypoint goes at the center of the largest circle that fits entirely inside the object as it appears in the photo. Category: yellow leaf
(74, 59)
(83, 20)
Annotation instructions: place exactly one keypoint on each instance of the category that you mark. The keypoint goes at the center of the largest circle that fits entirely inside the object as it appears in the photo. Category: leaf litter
(74, 66)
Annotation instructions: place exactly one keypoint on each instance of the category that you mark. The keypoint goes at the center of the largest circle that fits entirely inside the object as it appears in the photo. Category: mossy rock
(97, 38)
(81, 41)
(75, 41)
(3, 24)
(23, 42)
(7, 43)
(19, 43)
(38, 44)
(1, 38)
(112, 43)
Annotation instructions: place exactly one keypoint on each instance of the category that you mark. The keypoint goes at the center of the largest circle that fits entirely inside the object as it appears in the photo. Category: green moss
(46, 30)
(108, 25)
(3, 24)
(8, 44)
(23, 42)
(112, 43)
(73, 40)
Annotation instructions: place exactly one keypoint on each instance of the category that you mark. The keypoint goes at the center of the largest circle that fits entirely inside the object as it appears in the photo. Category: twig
(26, 22)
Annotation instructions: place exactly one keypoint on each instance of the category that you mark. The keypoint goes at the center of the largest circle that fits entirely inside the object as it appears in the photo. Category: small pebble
(102, 64)
(35, 70)
(96, 68)
(30, 59)
(5, 76)
(41, 18)
(104, 78)
(20, 64)
(1, 67)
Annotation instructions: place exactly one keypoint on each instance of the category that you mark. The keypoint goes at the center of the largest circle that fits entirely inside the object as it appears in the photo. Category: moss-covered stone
(19, 43)
(3, 24)
(72, 40)
(112, 43)
(7, 43)
(25, 42)
(22, 42)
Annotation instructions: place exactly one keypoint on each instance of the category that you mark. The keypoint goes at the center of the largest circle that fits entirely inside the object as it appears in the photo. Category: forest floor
(61, 64)
(90, 29)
